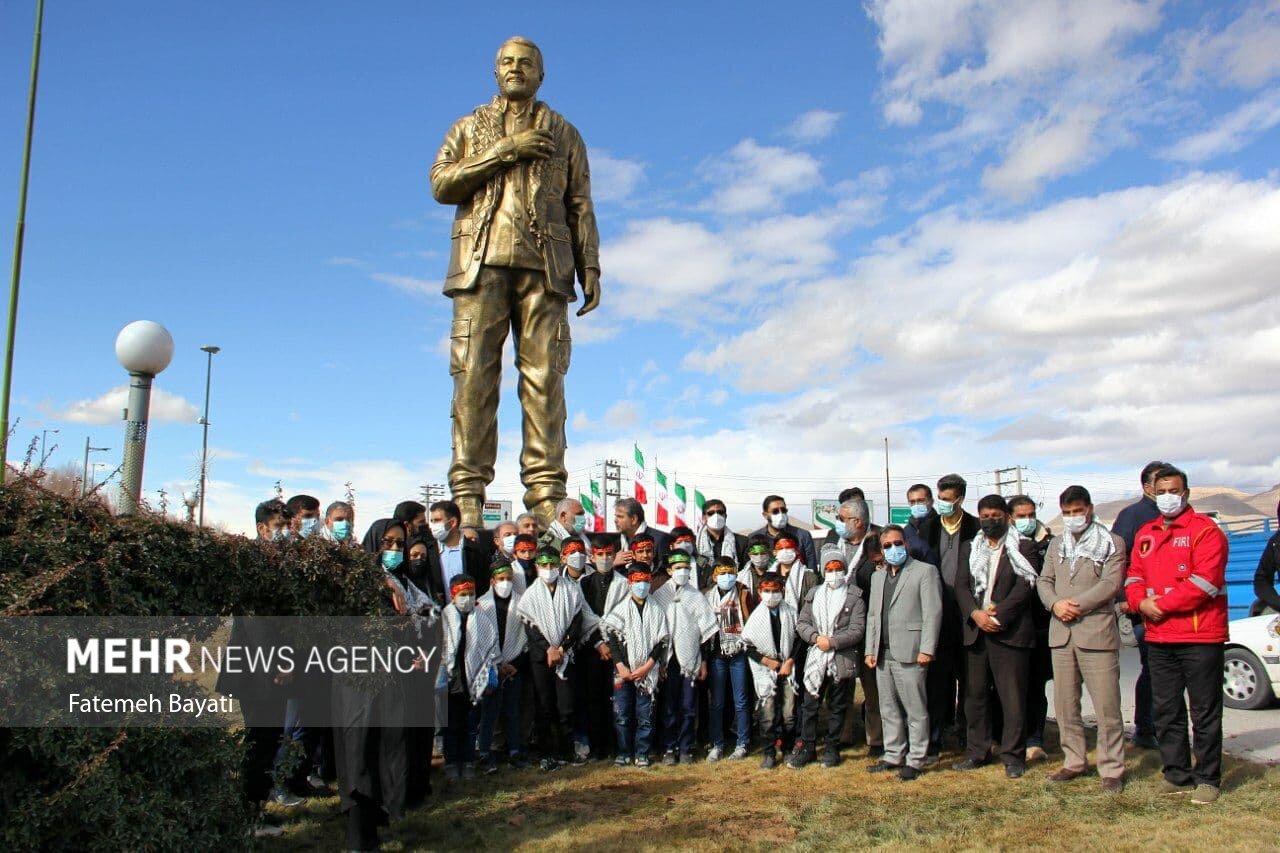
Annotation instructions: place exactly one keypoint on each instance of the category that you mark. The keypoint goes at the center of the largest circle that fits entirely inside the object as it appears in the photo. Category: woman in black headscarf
(369, 730)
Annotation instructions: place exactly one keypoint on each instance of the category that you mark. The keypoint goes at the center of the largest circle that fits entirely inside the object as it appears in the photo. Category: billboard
(496, 512)
(824, 512)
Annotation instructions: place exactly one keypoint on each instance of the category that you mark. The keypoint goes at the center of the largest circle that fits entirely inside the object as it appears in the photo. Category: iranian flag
(663, 517)
(681, 504)
(597, 508)
(641, 494)
(699, 502)
(589, 508)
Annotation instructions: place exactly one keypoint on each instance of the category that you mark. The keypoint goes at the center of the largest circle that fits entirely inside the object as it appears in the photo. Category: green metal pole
(17, 246)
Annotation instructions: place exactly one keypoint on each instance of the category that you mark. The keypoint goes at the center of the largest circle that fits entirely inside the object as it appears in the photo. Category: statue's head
(518, 68)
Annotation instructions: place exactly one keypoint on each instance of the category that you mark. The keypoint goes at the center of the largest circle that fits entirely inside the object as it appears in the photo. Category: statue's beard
(518, 90)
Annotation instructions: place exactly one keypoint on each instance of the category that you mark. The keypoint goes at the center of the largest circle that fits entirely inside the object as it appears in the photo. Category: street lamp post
(204, 449)
(44, 435)
(84, 483)
(144, 349)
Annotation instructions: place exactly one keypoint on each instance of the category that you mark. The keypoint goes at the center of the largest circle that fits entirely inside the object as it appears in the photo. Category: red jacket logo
(1144, 546)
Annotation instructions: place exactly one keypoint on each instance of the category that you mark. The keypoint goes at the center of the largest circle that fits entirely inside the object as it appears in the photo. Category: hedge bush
(145, 788)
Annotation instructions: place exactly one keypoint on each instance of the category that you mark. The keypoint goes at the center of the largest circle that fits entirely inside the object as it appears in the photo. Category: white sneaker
(715, 754)
(315, 783)
(738, 753)
(267, 830)
(582, 751)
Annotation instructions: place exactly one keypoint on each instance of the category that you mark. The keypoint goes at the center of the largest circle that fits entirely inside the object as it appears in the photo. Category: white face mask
(508, 544)
(684, 547)
(759, 561)
(576, 561)
(502, 589)
(786, 556)
(771, 599)
(680, 577)
(439, 530)
(716, 522)
(604, 565)
(835, 580)
(1168, 504)
(465, 603)
(1075, 523)
(778, 520)
(548, 576)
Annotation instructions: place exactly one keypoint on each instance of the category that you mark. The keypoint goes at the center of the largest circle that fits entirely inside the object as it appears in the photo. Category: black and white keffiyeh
(706, 548)
(552, 614)
(983, 559)
(757, 634)
(514, 641)
(481, 653)
(1095, 544)
(792, 586)
(827, 604)
(639, 631)
(422, 608)
(691, 623)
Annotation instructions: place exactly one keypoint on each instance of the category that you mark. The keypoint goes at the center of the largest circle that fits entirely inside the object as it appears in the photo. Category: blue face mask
(726, 582)
(1025, 526)
(341, 530)
(895, 555)
(280, 534)
(841, 529)
(919, 511)
(579, 523)
(392, 559)
(944, 508)
(307, 527)
(640, 590)
(526, 563)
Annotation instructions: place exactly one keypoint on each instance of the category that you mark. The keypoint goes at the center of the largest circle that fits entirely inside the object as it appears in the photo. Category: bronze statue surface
(525, 226)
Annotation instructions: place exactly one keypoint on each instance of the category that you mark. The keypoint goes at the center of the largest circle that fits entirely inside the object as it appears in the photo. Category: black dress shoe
(875, 751)
(882, 767)
(969, 764)
(908, 774)
(1014, 771)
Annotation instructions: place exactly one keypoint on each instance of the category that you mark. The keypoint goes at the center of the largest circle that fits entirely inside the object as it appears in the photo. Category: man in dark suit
(454, 553)
(777, 522)
(995, 584)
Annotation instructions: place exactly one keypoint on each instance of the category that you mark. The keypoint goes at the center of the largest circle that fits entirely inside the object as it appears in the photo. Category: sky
(1043, 234)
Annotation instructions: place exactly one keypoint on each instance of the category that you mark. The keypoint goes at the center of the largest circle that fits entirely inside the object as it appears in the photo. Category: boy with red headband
(469, 667)
(636, 631)
(797, 578)
(693, 627)
(832, 623)
(770, 638)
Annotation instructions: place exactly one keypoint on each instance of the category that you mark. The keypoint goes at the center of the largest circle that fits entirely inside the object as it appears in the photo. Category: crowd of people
(642, 646)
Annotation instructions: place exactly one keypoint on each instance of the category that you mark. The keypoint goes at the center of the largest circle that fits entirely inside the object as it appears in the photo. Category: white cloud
(752, 177)
(613, 179)
(1246, 52)
(1042, 151)
(409, 284)
(1232, 132)
(814, 126)
(1094, 330)
(109, 407)
(1056, 77)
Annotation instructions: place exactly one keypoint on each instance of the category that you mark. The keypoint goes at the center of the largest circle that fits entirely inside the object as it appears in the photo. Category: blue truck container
(1246, 539)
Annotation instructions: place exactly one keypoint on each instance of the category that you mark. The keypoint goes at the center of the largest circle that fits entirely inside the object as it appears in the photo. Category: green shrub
(145, 788)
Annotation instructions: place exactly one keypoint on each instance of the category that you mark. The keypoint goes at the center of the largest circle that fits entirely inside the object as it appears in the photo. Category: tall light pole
(44, 435)
(84, 483)
(18, 238)
(144, 349)
(204, 449)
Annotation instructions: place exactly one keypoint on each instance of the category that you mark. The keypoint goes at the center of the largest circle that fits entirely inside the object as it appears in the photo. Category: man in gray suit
(1083, 571)
(902, 637)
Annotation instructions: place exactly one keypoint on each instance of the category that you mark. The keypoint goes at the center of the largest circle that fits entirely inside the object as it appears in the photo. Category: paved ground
(1254, 735)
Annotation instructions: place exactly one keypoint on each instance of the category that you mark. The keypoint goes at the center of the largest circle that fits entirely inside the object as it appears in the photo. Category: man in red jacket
(1177, 582)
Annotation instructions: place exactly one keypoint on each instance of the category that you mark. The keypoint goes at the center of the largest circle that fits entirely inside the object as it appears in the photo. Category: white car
(1251, 665)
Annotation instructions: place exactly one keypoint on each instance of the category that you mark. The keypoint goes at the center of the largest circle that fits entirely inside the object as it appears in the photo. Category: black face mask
(994, 528)
(418, 566)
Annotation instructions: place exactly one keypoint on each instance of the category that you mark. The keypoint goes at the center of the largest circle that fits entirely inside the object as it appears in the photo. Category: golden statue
(525, 224)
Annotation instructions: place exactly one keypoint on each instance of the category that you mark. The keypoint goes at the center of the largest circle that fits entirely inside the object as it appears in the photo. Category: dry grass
(735, 805)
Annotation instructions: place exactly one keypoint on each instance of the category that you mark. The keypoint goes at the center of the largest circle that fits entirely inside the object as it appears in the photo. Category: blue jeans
(724, 673)
(460, 735)
(679, 712)
(504, 700)
(632, 720)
